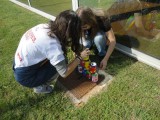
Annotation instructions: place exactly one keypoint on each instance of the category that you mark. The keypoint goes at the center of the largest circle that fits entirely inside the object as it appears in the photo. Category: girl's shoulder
(103, 19)
(103, 23)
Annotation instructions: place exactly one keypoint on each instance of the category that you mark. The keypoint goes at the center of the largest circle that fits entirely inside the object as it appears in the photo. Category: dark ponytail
(67, 28)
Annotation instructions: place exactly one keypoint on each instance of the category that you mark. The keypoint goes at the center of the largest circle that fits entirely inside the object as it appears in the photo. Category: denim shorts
(35, 75)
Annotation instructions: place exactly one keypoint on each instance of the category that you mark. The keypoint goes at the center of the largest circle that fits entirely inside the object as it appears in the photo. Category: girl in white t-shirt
(41, 52)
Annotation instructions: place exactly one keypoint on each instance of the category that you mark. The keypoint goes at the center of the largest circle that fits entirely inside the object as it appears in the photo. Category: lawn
(134, 93)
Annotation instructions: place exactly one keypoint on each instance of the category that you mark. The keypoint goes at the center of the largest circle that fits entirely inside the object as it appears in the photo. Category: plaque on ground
(80, 89)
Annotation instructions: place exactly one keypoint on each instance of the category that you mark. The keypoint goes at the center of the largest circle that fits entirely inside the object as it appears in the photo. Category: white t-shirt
(35, 46)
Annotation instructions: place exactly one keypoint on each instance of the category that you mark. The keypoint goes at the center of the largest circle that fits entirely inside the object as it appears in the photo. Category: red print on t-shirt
(30, 35)
(19, 57)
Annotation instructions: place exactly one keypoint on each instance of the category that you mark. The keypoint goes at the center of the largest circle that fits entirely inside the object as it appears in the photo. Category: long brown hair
(67, 28)
(88, 17)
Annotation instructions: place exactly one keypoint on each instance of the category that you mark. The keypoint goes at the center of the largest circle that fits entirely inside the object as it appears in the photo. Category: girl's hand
(85, 53)
(103, 64)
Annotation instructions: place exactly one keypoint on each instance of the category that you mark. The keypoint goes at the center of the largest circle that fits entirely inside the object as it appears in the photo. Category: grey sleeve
(61, 67)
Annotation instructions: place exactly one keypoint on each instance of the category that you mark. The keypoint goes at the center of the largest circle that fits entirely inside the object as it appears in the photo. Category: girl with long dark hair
(41, 54)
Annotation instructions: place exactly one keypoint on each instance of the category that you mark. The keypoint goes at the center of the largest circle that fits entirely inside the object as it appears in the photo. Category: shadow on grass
(15, 104)
(27, 102)
(117, 62)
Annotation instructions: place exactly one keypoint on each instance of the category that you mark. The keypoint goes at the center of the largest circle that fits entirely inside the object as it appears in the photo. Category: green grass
(133, 95)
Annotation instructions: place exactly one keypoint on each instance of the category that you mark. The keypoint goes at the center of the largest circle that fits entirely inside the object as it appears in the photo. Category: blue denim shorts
(35, 75)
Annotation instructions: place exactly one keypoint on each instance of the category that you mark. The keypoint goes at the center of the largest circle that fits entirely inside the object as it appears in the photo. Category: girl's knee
(99, 38)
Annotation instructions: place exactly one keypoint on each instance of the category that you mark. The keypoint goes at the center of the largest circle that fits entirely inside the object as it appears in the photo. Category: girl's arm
(111, 46)
(112, 43)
